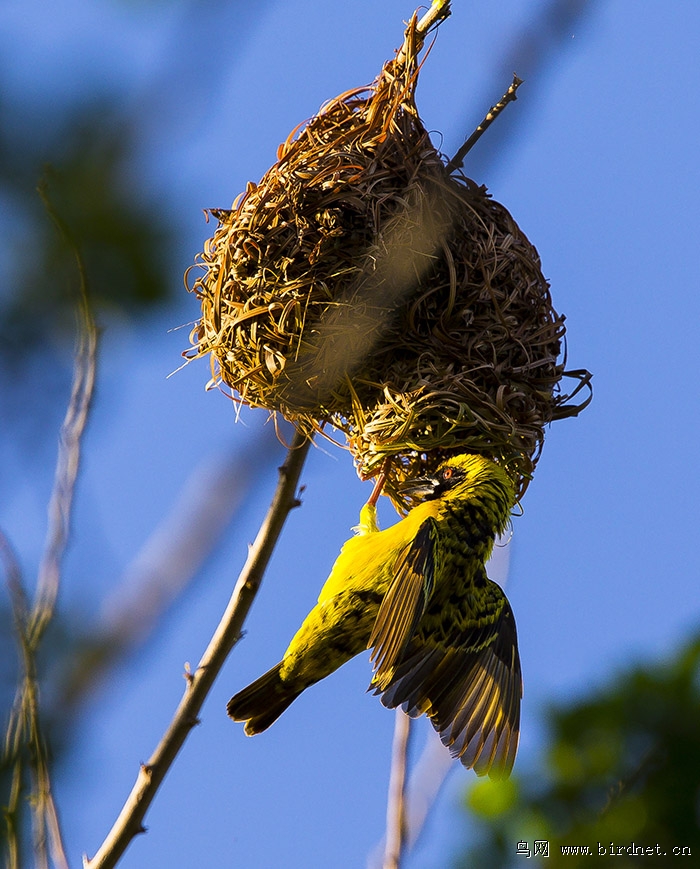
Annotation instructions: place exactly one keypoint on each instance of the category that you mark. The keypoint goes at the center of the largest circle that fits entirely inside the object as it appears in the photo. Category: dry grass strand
(362, 284)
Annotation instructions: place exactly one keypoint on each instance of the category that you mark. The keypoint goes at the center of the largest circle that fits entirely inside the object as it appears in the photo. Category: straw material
(362, 285)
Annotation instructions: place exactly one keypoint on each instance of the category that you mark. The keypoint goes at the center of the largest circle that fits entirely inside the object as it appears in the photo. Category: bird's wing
(471, 691)
(404, 602)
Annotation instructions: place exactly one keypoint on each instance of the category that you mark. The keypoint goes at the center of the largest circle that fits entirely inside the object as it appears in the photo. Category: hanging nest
(363, 285)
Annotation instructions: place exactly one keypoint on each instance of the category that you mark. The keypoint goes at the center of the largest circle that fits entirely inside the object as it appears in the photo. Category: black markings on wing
(404, 603)
(471, 692)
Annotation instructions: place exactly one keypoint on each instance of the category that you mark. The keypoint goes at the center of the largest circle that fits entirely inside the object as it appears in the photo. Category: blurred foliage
(622, 767)
(85, 161)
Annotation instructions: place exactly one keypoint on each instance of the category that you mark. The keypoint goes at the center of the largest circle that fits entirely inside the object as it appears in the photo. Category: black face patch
(430, 488)
(446, 479)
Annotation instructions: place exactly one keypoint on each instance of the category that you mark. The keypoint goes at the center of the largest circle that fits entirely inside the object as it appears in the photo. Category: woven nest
(361, 284)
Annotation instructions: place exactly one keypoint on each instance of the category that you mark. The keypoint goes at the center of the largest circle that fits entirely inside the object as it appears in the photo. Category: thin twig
(438, 12)
(396, 827)
(421, 791)
(25, 749)
(424, 785)
(508, 97)
(130, 820)
(53, 824)
(25, 745)
(70, 438)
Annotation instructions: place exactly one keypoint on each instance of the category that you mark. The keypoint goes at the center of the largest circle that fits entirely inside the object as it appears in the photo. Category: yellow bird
(442, 634)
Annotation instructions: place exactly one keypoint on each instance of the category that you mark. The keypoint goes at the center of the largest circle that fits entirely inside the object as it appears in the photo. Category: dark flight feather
(471, 691)
(404, 603)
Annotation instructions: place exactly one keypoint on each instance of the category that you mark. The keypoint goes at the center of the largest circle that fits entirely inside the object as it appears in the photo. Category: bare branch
(130, 820)
(57, 851)
(532, 51)
(424, 785)
(68, 461)
(438, 12)
(508, 97)
(396, 827)
(25, 749)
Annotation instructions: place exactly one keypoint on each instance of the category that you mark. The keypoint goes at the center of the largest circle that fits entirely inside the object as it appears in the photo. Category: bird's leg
(368, 513)
(379, 484)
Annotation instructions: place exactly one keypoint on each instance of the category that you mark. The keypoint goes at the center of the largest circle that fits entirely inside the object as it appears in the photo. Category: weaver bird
(442, 634)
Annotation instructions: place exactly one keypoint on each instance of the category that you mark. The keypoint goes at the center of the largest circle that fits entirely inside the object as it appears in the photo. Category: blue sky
(597, 162)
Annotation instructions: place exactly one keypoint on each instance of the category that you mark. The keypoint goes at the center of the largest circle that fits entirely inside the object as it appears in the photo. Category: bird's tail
(263, 701)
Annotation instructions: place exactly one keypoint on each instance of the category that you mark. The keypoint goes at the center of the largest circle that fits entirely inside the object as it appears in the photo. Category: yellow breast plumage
(442, 634)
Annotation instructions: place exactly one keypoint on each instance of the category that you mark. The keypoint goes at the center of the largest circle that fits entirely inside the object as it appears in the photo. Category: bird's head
(457, 476)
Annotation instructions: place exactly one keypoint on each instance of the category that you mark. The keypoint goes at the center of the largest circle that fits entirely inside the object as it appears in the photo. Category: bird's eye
(447, 473)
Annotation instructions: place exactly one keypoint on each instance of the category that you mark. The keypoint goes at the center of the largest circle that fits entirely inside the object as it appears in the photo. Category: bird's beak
(420, 487)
